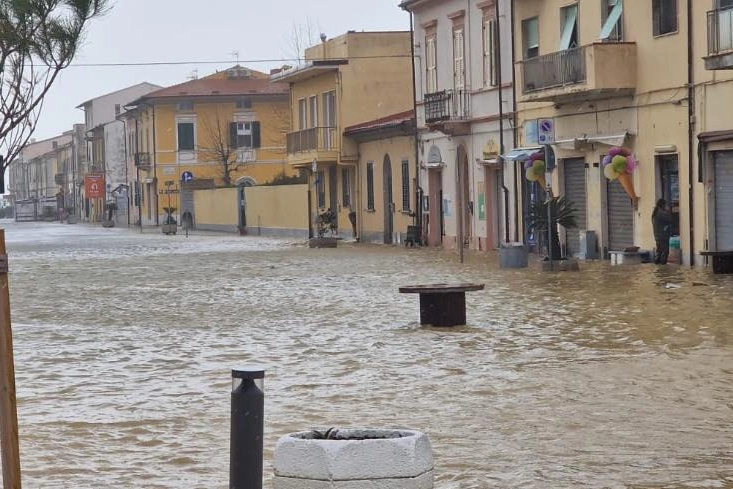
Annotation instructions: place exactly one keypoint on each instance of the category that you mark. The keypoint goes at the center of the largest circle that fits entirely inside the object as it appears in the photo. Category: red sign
(94, 185)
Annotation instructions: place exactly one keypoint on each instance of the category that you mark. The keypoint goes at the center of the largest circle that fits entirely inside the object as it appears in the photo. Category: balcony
(448, 111)
(599, 70)
(319, 143)
(720, 40)
(142, 161)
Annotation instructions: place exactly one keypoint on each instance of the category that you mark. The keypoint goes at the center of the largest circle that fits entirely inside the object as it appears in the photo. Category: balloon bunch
(619, 164)
(535, 168)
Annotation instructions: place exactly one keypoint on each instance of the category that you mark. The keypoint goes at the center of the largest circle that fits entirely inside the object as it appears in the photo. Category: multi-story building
(105, 149)
(593, 75)
(463, 88)
(347, 83)
(226, 129)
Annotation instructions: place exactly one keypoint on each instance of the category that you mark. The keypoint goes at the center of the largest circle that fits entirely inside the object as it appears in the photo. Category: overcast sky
(137, 31)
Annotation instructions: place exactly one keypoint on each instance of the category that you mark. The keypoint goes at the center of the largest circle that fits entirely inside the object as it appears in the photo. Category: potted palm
(170, 225)
(562, 212)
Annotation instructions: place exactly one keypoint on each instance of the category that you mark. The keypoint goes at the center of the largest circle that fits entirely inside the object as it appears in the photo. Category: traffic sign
(186, 176)
(546, 131)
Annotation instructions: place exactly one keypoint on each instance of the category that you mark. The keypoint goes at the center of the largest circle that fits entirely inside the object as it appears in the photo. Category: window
(664, 16)
(531, 37)
(313, 111)
(405, 185)
(459, 65)
(329, 109)
(244, 103)
(185, 105)
(490, 55)
(346, 187)
(244, 135)
(321, 188)
(186, 140)
(431, 75)
(569, 33)
(302, 115)
(611, 21)
(370, 185)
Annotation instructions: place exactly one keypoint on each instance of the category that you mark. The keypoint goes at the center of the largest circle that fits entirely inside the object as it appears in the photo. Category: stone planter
(72, 219)
(354, 459)
(323, 243)
(169, 228)
(513, 256)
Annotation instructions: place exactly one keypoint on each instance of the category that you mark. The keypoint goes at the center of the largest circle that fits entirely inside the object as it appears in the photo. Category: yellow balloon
(610, 172)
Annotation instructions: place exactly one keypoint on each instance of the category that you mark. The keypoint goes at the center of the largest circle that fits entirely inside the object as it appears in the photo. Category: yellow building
(592, 75)
(352, 79)
(227, 129)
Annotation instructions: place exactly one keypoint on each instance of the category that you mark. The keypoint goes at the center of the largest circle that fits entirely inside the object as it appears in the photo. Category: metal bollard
(246, 442)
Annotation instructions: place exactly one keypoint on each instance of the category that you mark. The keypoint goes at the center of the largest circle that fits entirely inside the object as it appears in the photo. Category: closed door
(620, 217)
(575, 192)
(388, 203)
(724, 200)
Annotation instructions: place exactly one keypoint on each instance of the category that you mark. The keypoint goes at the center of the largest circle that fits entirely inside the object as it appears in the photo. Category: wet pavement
(614, 377)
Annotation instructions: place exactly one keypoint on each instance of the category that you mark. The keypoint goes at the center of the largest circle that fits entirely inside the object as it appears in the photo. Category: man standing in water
(662, 224)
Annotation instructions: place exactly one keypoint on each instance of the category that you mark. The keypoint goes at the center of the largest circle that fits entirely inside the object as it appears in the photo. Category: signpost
(186, 176)
(546, 131)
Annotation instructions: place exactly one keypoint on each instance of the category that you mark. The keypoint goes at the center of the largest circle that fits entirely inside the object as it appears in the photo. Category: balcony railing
(554, 70)
(447, 105)
(720, 31)
(142, 160)
(312, 139)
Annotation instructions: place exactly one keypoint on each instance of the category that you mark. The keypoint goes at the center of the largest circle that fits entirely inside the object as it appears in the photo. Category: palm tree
(563, 213)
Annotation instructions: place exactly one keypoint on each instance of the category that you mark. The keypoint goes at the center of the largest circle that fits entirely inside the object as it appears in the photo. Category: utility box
(588, 245)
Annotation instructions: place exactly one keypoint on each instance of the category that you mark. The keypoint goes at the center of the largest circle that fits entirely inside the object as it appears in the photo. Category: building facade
(595, 75)
(227, 129)
(463, 88)
(353, 79)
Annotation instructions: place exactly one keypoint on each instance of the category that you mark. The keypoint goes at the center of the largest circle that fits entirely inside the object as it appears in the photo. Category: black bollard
(248, 408)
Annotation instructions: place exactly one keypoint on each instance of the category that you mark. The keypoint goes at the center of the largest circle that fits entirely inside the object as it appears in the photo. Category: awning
(521, 154)
(608, 139)
(715, 136)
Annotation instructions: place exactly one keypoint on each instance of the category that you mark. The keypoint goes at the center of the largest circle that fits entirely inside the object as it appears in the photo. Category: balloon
(531, 176)
(619, 163)
(610, 173)
(630, 164)
(538, 167)
(607, 160)
(615, 151)
(528, 164)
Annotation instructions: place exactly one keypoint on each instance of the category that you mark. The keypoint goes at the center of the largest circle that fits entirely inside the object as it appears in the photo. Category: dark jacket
(662, 223)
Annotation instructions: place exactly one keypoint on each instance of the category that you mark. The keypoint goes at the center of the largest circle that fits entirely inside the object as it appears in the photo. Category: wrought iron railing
(312, 139)
(554, 70)
(720, 31)
(447, 105)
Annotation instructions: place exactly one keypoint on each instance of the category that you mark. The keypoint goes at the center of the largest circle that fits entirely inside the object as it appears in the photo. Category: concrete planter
(354, 459)
(323, 242)
(169, 228)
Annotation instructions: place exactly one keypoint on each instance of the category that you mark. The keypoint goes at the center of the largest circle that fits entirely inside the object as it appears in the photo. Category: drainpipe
(501, 123)
(127, 164)
(137, 173)
(417, 219)
(514, 128)
(155, 172)
(690, 128)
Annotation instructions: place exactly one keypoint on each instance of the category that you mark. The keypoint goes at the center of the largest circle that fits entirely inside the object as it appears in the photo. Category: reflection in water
(613, 377)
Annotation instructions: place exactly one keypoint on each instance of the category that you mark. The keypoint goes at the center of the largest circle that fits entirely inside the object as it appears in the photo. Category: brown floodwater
(614, 377)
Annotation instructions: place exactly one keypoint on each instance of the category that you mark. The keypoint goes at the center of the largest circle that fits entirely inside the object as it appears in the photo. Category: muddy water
(610, 378)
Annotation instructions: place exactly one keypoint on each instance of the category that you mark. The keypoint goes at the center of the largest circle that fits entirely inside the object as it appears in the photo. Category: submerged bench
(442, 304)
(722, 260)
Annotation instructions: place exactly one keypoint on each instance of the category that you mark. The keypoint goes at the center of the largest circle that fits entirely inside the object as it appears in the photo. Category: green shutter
(233, 135)
(256, 134)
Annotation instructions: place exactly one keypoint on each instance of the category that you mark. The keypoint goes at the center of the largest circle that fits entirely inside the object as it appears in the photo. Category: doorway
(575, 192)
(435, 207)
(668, 174)
(463, 205)
(388, 197)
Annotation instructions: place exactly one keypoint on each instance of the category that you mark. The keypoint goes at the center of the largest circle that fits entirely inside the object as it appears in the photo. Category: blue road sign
(186, 176)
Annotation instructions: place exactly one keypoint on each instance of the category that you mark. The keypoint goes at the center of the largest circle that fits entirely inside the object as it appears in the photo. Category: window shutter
(233, 135)
(256, 134)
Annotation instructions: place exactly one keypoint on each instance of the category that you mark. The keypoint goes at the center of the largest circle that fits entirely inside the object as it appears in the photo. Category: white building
(106, 145)
(459, 47)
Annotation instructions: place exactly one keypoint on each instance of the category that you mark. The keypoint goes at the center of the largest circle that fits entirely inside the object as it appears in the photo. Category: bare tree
(220, 148)
(38, 39)
(301, 37)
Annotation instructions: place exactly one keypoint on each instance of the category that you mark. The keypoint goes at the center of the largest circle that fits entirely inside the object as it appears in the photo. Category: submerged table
(442, 304)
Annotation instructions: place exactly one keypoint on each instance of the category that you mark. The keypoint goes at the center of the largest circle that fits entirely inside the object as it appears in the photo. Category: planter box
(72, 220)
(513, 256)
(169, 228)
(355, 459)
(323, 243)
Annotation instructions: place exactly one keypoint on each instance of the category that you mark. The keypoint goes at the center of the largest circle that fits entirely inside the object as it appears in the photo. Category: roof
(390, 121)
(219, 87)
(152, 85)
(309, 70)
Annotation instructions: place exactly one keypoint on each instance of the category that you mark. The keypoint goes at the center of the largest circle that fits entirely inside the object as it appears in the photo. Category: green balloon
(619, 163)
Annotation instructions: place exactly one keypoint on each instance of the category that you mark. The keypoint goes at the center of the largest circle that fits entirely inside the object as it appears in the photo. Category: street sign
(186, 176)
(94, 185)
(546, 131)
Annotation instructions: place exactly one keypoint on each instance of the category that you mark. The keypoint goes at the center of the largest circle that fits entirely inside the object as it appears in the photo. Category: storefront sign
(94, 185)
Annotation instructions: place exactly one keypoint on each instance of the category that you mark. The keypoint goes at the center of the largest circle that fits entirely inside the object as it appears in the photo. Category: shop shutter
(620, 217)
(575, 192)
(724, 200)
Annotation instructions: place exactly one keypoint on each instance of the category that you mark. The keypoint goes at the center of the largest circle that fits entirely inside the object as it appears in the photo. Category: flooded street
(613, 377)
